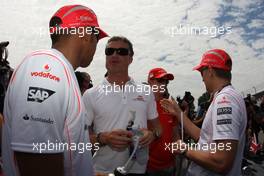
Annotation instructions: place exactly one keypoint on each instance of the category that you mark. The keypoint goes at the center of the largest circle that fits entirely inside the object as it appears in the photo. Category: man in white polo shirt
(221, 139)
(118, 105)
(45, 124)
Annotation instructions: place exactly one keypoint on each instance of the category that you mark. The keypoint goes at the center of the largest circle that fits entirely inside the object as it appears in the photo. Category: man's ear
(211, 72)
(130, 59)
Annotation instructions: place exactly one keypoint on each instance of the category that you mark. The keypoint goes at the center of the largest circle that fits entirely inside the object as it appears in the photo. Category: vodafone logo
(46, 74)
(47, 68)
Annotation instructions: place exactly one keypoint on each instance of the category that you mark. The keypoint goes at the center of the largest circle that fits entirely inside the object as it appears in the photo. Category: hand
(147, 138)
(171, 106)
(118, 140)
(178, 147)
(185, 106)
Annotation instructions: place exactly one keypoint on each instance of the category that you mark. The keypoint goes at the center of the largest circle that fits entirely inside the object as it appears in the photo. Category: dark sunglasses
(203, 69)
(119, 51)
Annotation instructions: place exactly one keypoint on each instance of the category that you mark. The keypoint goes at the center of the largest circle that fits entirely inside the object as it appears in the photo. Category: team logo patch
(224, 110)
(224, 100)
(37, 94)
(47, 68)
(38, 119)
(45, 74)
(224, 121)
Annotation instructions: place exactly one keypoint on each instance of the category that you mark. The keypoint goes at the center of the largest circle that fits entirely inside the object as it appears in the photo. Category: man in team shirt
(162, 161)
(221, 139)
(44, 116)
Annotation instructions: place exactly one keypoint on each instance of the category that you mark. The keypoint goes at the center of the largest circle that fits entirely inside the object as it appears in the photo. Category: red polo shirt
(159, 158)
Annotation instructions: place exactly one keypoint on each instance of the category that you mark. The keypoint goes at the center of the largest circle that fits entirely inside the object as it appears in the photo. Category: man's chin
(86, 64)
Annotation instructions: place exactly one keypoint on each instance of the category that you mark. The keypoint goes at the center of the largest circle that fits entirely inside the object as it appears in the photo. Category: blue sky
(147, 23)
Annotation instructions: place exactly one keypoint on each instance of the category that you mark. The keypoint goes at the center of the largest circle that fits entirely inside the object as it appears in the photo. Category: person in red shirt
(162, 161)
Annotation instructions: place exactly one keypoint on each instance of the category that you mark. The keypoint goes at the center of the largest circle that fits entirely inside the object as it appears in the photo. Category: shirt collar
(130, 82)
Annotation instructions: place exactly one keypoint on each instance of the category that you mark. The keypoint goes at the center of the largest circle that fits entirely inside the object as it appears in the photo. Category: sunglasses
(119, 51)
(202, 70)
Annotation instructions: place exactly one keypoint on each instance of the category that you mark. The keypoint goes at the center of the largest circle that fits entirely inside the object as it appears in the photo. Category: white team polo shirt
(109, 110)
(44, 113)
(226, 118)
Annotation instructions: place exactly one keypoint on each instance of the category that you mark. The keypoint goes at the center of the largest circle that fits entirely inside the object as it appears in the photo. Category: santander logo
(46, 74)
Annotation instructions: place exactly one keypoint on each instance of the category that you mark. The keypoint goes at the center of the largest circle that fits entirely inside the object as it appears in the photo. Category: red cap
(215, 58)
(160, 73)
(73, 16)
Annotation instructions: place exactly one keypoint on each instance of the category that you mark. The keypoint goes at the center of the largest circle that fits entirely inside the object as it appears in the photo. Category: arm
(117, 139)
(176, 135)
(221, 161)
(154, 130)
(173, 108)
(227, 123)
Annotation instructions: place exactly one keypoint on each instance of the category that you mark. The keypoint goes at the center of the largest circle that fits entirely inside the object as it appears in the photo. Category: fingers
(167, 106)
(146, 139)
(119, 139)
(121, 132)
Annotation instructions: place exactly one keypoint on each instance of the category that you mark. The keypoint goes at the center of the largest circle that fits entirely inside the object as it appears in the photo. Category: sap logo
(37, 94)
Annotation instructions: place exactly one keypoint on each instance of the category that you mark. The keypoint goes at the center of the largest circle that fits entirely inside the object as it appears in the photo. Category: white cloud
(143, 22)
(258, 44)
(256, 23)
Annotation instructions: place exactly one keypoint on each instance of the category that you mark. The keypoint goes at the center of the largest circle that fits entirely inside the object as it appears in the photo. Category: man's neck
(118, 79)
(220, 84)
(158, 96)
(69, 54)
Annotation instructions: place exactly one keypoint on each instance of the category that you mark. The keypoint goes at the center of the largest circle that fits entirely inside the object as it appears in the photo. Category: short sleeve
(88, 106)
(226, 118)
(151, 107)
(38, 100)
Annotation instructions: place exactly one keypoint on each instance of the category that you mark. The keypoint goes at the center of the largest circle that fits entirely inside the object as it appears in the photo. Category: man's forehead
(117, 43)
